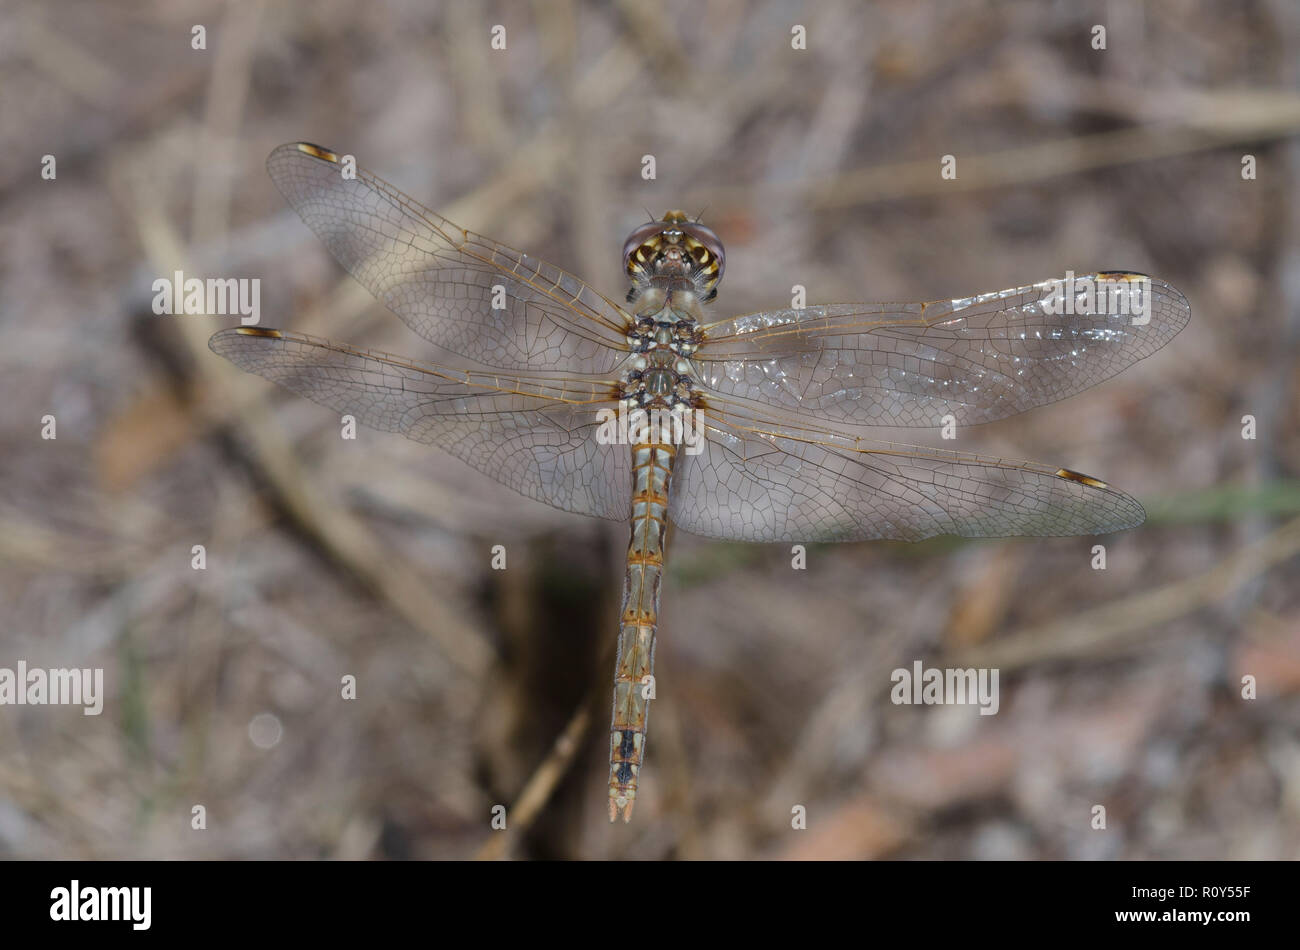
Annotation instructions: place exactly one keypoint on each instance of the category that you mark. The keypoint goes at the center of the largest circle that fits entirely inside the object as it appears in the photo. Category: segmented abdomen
(652, 470)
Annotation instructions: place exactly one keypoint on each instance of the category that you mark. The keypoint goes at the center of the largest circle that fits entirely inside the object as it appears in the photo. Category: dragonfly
(647, 410)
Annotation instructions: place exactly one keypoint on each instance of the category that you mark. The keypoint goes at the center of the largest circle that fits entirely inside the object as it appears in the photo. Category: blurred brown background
(371, 558)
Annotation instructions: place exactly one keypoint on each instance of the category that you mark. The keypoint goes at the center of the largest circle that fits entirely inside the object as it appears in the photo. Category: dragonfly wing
(459, 290)
(758, 480)
(978, 359)
(535, 434)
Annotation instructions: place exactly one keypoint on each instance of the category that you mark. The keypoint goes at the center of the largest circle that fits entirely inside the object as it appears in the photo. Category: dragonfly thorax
(665, 320)
(664, 333)
(659, 379)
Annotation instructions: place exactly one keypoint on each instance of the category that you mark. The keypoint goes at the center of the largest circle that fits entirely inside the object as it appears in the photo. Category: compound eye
(711, 241)
(639, 237)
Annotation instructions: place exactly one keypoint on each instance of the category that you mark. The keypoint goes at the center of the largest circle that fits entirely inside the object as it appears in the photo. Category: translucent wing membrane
(783, 393)
(440, 278)
(980, 358)
(759, 480)
(534, 434)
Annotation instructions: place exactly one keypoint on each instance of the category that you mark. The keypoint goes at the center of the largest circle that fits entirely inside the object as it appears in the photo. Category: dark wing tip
(305, 148)
(220, 342)
(1166, 290)
(1080, 477)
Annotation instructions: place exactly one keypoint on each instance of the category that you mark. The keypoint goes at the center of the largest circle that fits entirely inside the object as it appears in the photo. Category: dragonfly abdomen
(638, 621)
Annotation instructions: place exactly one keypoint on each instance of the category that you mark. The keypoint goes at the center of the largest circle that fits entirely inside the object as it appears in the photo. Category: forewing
(441, 279)
(978, 359)
(536, 435)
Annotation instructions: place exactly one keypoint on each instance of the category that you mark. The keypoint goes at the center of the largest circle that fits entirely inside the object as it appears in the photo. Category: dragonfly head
(676, 246)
